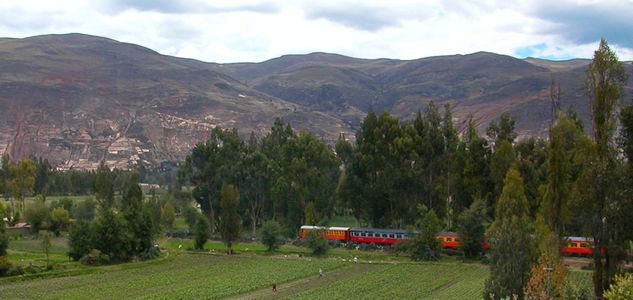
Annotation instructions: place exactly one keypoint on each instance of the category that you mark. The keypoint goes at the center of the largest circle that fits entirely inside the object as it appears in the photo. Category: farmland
(182, 274)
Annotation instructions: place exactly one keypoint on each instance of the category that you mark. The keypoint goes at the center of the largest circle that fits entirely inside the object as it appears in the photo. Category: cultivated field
(181, 274)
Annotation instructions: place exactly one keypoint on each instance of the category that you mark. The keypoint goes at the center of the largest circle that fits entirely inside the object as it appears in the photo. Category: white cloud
(230, 31)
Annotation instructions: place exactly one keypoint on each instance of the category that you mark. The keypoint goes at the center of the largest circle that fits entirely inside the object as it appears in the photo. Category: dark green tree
(104, 186)
(606, 199)
(230, 220)
(425, 246)
(80, 239)
(4, 239)
(202, 232)
(512, 250)
(36, 214)
(316, 242)
(532, 154)
(138, 218)
(502, 131)
(471, 227)
(503, 159)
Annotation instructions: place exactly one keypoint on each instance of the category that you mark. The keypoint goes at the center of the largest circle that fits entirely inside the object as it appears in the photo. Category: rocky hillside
(79, 99)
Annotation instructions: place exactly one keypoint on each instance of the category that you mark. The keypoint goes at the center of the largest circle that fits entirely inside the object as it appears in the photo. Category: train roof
(579, 239)
(324, 228)
(381, 230)
(448, 233)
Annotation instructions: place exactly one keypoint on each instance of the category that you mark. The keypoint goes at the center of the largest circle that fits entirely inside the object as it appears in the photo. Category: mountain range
(77, 99)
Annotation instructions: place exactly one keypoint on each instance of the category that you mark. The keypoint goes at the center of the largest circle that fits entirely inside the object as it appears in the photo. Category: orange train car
(330, 233)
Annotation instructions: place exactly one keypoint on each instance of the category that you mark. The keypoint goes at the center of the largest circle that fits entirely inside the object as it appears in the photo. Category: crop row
(407, 281)
(186, 276)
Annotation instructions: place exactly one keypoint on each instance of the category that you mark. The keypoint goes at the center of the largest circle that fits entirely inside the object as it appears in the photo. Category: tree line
(397, 172)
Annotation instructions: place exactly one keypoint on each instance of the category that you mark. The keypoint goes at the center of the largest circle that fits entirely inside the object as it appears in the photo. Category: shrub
(59, 218)
(95, 258)
(318, 244)
(621, 288)
(271, 232)
(202, 232)
(5, 265)
(36, 214)
(80, 239)
(4, 239)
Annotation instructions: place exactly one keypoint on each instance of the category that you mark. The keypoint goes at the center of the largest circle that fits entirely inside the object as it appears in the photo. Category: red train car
(578, 245)
(449, 239)
(378, 236)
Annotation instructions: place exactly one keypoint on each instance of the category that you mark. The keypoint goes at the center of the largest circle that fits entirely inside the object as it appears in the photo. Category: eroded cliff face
(77, 100)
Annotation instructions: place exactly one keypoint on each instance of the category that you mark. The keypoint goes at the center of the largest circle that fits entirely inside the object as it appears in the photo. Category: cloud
(584, 23)
(188, 6)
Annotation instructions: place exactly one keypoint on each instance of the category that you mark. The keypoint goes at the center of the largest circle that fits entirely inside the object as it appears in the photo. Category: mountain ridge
(77, 99)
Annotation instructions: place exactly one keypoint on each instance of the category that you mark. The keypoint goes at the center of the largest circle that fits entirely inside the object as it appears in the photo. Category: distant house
(20, 227)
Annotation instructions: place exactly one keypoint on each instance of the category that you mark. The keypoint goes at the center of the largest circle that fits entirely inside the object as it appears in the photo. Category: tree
(425, 246)
(22, 179)
(271, 232)
(46, 246)
(511, 246)
(36, 214)
(167, 215)
(202, 232)
(80, 239)
(230, 220)
(472, 228)
(104, 186)
(316, 242)
(4, 239)
(547, 277)
(138, 218)
(564, 142)
(608, 202)
(59, 219)
(502, 131)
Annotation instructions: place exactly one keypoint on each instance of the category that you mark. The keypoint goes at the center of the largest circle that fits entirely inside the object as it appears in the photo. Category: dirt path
(308, 283)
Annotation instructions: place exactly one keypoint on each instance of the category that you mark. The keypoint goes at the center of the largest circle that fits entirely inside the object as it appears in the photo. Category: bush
(318, 244)
(15, 271)
(150, 253)
(202, 232)
(621, 288)
(271, 232)
(5, 265)
(80, 239)
(36, 214)
(95, 258)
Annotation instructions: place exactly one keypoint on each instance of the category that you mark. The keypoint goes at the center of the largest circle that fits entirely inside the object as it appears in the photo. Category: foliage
(84, 210)
(36, 214)
(202, 232)
(46, 246)
(95, 258)
(80, 240)
(230, 220)
(167, 215)
(5, 265)
(271, 232)
(4, 239)
(191, 216)
(59, 218)
(472, 228)
(22, 179)
(502, 131)
(104, 186)
(316, 242)
(548, 275)
(138, 222)
(621, 288)
(424, 245)
(511, 246)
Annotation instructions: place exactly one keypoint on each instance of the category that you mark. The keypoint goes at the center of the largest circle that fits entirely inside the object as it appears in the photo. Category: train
(450, 240)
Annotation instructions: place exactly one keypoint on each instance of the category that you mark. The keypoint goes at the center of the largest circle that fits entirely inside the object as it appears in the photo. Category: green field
(210, 274)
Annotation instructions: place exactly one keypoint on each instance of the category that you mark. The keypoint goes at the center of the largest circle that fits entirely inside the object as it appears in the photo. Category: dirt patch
(447, 285)
(308, 283)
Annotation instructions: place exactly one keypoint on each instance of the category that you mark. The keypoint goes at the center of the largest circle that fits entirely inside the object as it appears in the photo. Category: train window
(449, 239)
(584, 245)
(391, 235)
(574, 245)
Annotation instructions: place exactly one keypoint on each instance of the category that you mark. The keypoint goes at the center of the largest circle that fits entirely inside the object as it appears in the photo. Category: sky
(226, 31)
